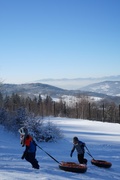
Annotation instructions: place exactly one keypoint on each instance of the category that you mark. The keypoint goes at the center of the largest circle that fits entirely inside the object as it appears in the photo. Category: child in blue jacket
(79, 146)
(30, 148)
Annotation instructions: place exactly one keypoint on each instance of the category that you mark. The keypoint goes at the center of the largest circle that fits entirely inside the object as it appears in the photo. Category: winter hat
(23, 131)
(75, 138)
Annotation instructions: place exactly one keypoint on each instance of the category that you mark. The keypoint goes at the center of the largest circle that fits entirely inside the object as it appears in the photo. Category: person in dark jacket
(79, 146)
(30, 148)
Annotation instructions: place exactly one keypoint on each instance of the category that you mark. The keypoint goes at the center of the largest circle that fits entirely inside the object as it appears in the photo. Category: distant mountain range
(108, 90)
(76, 83)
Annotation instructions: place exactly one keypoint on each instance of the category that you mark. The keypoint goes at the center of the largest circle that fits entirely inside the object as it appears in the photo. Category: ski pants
(81, 158)
(30, 157)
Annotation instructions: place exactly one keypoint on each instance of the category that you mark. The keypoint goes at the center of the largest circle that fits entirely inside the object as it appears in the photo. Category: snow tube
(73, 167)
(101, 163)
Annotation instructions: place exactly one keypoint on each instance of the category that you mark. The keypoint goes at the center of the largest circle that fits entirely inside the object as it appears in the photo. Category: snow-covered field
(102, 140)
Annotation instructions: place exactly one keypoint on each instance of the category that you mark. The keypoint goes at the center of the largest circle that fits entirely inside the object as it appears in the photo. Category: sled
(101, 163)
(73, 167)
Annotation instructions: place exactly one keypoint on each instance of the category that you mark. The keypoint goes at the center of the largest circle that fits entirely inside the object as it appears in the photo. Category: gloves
(71, 154)
(23, 156)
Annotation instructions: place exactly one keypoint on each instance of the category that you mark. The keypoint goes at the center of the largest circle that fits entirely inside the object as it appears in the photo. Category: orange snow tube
(73, 167)
(101, 163)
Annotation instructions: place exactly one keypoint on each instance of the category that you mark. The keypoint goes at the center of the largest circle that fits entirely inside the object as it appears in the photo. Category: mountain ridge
(76, 83)
(35, 89)
(111, 88)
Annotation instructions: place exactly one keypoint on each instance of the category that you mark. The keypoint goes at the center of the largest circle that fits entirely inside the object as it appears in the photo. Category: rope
(49, 155)
(89, 152)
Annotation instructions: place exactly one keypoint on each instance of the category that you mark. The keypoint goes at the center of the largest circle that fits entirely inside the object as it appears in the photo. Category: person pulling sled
(79, 146)
(30, 147)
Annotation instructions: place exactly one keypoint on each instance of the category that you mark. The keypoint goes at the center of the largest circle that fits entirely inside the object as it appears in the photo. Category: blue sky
(58, 39)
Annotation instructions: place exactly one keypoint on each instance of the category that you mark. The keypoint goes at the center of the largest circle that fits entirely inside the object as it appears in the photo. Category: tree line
(18, 106)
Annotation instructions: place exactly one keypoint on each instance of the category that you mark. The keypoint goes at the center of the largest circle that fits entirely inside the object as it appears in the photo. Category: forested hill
(36, 89)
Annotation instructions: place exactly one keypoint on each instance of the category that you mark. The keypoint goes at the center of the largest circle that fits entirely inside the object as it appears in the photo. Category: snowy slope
(102, 139)
(111, 88)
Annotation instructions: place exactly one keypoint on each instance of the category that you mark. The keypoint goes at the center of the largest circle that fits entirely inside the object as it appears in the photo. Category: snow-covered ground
(102, 140)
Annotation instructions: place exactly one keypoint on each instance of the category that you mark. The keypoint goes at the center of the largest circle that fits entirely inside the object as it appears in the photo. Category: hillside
(111, 88)
(35, 89)
(102, 140)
